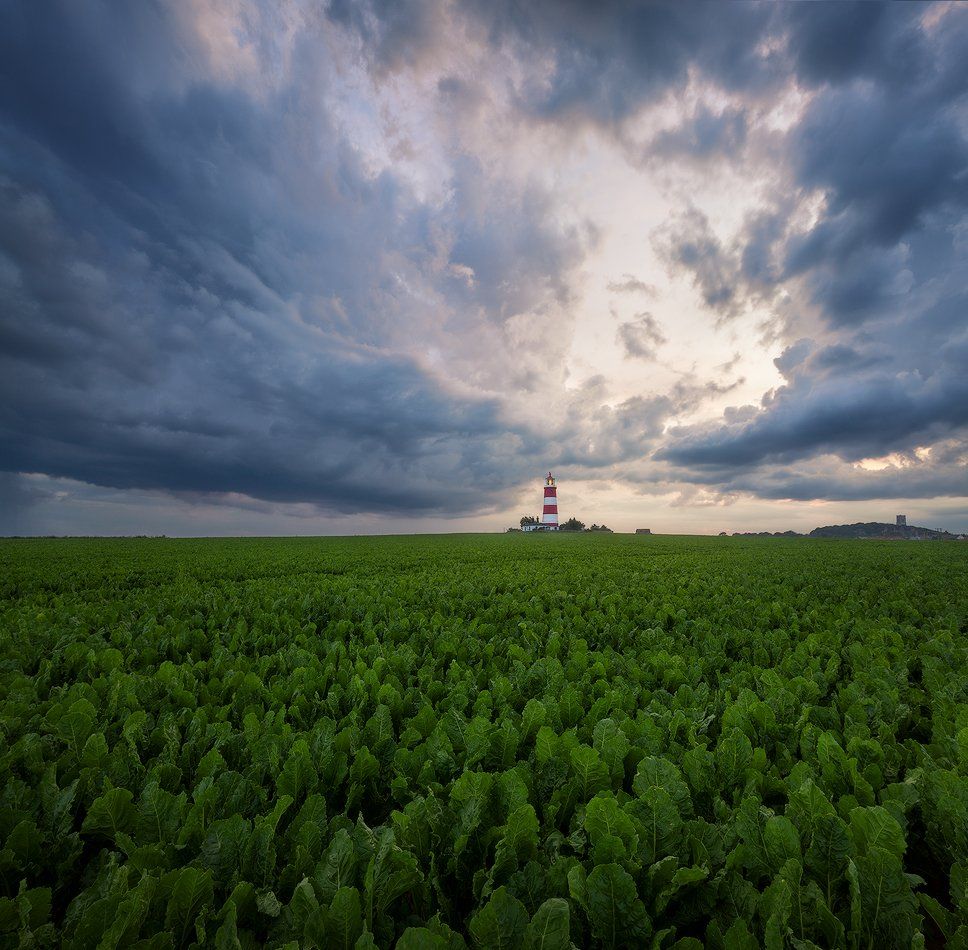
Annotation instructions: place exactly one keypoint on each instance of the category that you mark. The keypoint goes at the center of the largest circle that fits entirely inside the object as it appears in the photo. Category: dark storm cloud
(607, 59)
(17, 497)
(842, 358)
(199, 297)
(942, 473)
(895, 188)
(905, 157)
(885, 142)
(883, 266)
(158, 383)
(837, 42)
(868, 395)
(780, 483)
(855, 419)
(882, 138)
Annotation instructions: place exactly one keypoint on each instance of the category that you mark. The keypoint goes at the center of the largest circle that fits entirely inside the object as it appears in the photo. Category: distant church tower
(902, 521)
(549, 516)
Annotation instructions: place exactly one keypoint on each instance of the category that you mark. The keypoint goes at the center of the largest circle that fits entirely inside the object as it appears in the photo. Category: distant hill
(870, 530)
(877, 530)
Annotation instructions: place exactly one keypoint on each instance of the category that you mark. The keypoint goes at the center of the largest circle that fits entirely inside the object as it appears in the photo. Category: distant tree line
(572, 524)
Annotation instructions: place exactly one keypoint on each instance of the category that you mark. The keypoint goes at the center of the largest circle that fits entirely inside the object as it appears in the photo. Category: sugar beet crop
(485, 741)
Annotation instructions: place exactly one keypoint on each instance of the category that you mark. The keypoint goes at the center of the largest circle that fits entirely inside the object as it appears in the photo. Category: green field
(508, 741)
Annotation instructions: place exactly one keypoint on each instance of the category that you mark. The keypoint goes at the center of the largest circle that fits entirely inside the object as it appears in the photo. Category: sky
(378, 266)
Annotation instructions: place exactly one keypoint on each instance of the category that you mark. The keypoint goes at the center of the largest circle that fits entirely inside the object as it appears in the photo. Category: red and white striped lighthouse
(549, 516)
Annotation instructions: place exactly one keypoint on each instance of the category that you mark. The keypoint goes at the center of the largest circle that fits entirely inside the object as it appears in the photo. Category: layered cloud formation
(399, 258)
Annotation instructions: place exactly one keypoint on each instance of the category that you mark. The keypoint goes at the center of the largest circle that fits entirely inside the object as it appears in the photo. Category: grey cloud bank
(218, 284)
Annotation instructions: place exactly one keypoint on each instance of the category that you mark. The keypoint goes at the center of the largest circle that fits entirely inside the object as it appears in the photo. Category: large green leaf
(611, 831)
(875, 829)
(76, 724)
(227, 932)
(532, 718)
(518, 843)
(778, 903)
(828, 853)
(659, 824)
(342, 924)
(889, 908)
(545, 745)
(734, 754)
(590, 772)
(298, 777)
(780, 842)
(303, 906)
(657, 772)
(338, 867)
(191, 896)
(110, 814)
(617, 917)
(613, 746)
(550, 927)
(223, 846)
(501, 923)
(95, 752)
(159, 815)
(130, 915)
(471, 796)
(390, 874)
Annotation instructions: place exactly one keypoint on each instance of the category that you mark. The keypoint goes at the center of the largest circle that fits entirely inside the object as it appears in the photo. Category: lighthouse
(549, 515)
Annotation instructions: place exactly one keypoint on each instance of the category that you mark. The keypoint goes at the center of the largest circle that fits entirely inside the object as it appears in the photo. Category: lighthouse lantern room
(549, 514)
